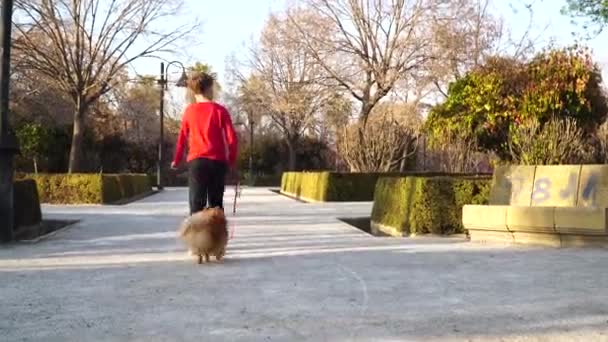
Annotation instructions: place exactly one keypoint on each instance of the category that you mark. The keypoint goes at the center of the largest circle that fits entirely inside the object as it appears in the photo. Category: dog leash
(237, 194)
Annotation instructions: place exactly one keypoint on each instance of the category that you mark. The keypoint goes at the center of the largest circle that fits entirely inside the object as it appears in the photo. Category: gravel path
(293, 273)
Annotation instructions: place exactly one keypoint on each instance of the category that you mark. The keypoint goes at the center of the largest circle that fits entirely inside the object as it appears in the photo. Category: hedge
(268, 180)
(422, 205)
(181, 180)
(171, 179)
(89, 188)
(339, 187)
(124, 186)
(26, 204)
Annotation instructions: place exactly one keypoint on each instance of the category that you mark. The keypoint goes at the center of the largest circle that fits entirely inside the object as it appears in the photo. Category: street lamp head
(182, 82)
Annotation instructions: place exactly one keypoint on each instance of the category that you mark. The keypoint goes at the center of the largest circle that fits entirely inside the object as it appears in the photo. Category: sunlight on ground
(85, 260)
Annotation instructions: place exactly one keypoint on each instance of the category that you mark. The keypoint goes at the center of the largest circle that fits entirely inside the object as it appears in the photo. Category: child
(212, 142)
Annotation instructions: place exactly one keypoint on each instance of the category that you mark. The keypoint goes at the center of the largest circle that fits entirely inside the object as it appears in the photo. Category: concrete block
(576, 241)
(531, 219)
(512, 185)
(537, 239)
(489, 236)
(489, 217)
(576, 220)
(556, 185)
(593, 186)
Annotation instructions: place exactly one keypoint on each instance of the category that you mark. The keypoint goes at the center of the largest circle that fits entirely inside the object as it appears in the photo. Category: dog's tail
(185, 227)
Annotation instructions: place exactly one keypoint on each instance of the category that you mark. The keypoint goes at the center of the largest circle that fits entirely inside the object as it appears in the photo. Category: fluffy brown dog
(206, 233)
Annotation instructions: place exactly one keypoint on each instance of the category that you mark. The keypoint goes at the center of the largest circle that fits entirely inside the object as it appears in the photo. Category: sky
(228, 24)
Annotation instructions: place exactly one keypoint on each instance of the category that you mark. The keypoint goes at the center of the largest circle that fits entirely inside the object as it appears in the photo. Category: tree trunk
(362, 162)
(366, 109)
(292, 158)
(35, 160)
(403, 163)
(77, 139)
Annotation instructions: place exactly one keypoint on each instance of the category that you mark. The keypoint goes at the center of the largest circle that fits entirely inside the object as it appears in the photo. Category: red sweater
(208, 128)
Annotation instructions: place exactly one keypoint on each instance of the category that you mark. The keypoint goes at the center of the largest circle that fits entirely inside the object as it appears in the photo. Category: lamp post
(244, 125)
(251, 123)
(8, 142)
(162, 82)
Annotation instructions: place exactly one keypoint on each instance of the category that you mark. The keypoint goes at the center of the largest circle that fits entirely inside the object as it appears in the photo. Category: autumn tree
(87, 43)
(251, 103)
(485, 106)
(336, 113)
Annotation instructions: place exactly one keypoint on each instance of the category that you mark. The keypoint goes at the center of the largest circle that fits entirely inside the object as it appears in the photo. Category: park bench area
(561, 206)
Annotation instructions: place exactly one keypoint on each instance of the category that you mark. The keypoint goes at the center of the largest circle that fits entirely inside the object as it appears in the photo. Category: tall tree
(366, 46)
(286, 79)
(465, 33)
(138, 105)
(88, 43)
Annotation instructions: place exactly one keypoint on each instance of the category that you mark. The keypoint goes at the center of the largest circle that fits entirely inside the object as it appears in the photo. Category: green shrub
(338, 187)
(351, 187)
(330, 186)
(306, 185)
(26, 203)
(270, 180)
(422, 205)
(119, 187)
(89, 188)
(485, 105)
(171, 179)
(68, 189)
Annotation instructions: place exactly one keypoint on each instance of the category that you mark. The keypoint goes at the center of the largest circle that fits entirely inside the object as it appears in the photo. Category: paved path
(292, 273)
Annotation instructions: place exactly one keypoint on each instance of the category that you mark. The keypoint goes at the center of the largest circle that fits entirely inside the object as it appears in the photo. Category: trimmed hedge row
(306, 185)
(171, 179)
(261, 180)
(340, 187)
(125, 186)
(422, 205)
(89, 188)
(181, 180)
(26, 204)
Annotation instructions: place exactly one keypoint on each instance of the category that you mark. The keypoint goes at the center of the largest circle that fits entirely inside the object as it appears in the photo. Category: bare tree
(36, 98)
(389, 138)
(559, 141)
(88, 43)
(285, 83)
(467, 32)
(453, 154)
(366, 46)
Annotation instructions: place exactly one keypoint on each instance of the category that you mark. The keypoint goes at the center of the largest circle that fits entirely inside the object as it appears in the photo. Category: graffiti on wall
(543, 190)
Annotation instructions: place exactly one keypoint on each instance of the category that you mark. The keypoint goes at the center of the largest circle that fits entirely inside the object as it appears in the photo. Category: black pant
(206, 181)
